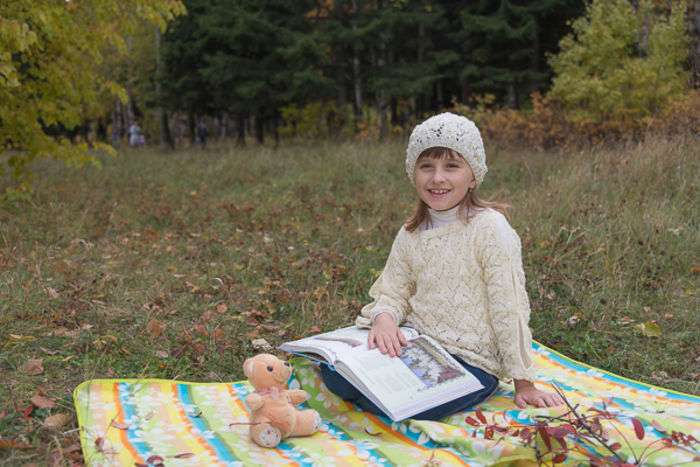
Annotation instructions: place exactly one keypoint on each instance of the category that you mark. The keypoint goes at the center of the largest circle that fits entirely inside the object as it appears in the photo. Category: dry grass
(167, 265)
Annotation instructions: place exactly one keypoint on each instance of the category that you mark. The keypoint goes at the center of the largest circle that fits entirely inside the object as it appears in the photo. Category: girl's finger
(402, 338)
(394, 343)
(386, 344)
(390, 345)
(370, 339)
(381, 343)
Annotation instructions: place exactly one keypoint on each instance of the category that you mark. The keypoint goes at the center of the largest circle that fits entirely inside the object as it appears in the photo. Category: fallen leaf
(155, 460)
(155, 328)
(638, 428)
(261, 344)
(49, 351)
(162, 354)
(34, 366)
(13, 444)
(27, 412)
(649, 329)
(572, 321)
(53, 294)
(57, 421)
(43, 402)
(119, 426)
(19, 337)
(695, 269)
(184, 455)
(471, 421)
(221, 308)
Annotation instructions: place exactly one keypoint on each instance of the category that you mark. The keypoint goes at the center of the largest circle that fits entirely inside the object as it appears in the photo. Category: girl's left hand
(527, 394)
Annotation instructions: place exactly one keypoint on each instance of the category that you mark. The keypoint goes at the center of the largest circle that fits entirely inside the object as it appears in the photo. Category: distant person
(202, 132)
(454, 273)
(135, 136)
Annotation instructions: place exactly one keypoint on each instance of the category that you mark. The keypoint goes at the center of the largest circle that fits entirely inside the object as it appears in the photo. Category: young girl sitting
(454, 273)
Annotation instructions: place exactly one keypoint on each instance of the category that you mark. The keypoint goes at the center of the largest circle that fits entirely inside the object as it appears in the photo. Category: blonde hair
(467, 207)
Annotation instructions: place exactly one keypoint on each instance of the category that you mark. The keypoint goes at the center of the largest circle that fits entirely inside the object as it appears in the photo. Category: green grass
(219, 247)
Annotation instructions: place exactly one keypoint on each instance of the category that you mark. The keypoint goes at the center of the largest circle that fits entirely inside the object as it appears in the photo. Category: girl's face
(443, 182)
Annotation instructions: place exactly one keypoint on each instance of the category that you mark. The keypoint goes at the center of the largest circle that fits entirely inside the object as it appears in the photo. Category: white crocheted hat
(451, 131)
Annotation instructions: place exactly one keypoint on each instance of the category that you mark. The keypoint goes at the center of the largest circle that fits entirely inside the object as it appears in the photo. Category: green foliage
(621, 65)
(504, 44)
(241, 56)
(50, 75)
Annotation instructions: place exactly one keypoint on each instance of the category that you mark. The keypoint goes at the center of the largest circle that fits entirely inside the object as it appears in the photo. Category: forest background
(169, 260)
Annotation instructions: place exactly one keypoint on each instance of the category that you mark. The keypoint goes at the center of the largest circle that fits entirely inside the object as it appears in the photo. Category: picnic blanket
(153, 422)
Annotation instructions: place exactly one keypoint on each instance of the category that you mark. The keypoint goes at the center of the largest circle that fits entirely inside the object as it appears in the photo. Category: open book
(422, 377)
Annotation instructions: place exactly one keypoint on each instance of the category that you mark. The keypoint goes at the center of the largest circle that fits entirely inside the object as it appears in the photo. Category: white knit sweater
(463, 285)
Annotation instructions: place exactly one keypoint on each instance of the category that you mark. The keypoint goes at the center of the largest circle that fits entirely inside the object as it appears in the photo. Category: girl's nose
(439, 175)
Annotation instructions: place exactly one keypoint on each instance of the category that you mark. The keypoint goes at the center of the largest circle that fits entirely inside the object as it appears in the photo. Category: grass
(168, 265)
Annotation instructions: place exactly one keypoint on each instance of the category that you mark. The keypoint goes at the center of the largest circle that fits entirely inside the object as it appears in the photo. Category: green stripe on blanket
(123, 422)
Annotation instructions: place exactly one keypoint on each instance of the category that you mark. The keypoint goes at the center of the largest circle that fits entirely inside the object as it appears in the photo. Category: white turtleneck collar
(441, 218)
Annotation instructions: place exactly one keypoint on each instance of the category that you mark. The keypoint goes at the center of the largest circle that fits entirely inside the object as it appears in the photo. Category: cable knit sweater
(464, 286)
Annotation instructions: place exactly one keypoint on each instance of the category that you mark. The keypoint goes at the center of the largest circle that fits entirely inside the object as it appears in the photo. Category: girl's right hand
(386, 335)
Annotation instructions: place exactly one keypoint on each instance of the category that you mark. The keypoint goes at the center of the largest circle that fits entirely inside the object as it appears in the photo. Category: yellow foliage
(50, 55)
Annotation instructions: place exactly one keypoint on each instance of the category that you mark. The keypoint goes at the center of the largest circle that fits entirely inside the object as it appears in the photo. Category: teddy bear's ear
(248, 367)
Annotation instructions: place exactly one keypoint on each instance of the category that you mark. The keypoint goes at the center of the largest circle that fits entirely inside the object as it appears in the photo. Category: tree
(504, 43)
(621, 64)
(50, 75)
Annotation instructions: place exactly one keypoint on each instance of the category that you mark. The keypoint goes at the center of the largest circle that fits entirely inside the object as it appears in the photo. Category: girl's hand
(526, 393)
(386, 335)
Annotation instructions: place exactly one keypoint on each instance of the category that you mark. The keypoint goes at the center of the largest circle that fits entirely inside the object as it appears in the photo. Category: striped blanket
(153, 422)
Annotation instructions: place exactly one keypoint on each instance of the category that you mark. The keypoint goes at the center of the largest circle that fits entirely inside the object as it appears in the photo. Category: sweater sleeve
(508, 303)
(393, 288)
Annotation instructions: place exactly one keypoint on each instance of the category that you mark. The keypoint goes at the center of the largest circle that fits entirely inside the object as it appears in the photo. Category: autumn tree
(622, 64)
(50, 74)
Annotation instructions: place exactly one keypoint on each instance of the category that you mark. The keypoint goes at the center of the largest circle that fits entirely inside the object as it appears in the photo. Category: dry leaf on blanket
(34, 366)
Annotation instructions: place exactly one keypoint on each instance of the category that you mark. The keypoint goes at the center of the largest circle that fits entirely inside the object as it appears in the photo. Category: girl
(454, 273)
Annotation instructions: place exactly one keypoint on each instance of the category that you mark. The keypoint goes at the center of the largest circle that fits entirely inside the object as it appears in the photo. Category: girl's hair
(467, 206)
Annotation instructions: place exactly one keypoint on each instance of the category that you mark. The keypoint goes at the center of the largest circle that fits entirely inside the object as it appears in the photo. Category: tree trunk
(166, 139)
(382, 103)
(117, 123)
(259, 129)
(420, 99)
(222, 119)
(240, 130)
(191, 123)
(394, 110)
(356, 79)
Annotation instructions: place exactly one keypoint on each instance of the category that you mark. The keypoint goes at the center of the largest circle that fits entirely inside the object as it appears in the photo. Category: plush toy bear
(274, 415)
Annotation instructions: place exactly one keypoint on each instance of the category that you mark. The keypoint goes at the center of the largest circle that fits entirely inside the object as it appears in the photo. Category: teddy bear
(273, 412)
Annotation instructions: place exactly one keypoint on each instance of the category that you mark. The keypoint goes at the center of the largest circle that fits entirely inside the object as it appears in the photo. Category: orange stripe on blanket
(120, 419)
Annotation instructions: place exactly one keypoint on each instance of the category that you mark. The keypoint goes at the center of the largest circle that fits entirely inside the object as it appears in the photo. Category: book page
(422, 377)
(331, 345)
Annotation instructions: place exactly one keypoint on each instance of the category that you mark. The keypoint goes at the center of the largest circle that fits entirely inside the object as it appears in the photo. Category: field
(169, 264)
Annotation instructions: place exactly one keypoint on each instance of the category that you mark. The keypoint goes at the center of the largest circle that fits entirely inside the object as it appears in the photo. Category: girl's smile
(442, 183)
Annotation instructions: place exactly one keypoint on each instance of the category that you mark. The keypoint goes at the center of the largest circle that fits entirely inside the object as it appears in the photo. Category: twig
(583, 423)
